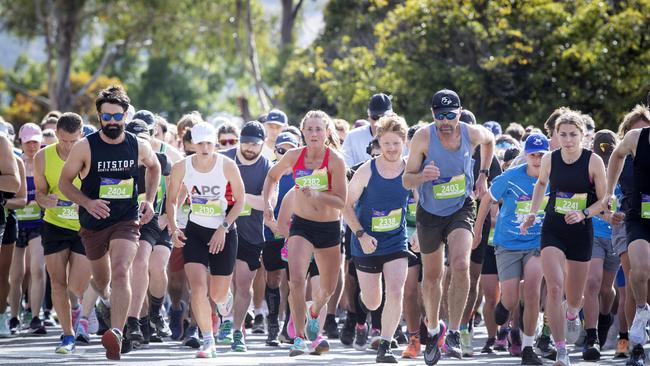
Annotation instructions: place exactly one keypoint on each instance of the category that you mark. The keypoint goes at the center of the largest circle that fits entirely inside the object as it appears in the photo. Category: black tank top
(641, 173)
(566, 179)
(113, 176)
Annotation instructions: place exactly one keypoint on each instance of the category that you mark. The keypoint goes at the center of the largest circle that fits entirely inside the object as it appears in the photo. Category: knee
(394, 294)
(593, 287)
(432, 277)
(509, 302)
(328, 288)
(555, 292)
(120, 272)
(460, 265)
(642, 273)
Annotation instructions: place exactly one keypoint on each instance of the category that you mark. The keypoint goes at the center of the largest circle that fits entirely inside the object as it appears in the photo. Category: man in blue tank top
(107, 162)
(440, 167)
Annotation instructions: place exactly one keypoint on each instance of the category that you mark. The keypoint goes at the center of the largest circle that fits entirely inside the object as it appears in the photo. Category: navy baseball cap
(494, 127)
(468, 117)
(380, 104)
(252, 132)
(536, 143)
(445, 100)
(146, 117)
(276, 116)
(286, 138)
(137, 127)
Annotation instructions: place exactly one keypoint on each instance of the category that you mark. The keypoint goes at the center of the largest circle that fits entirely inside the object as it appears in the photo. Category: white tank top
(207, 194)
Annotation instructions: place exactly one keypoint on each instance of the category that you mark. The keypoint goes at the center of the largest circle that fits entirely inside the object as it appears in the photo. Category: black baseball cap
(445, 100)
(380, 104)
(137, 127)
(468, 117)
(252, 132)
(147, 117)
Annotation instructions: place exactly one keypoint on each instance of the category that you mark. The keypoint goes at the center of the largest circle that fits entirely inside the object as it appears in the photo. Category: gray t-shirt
(250, 224)
(354, 146)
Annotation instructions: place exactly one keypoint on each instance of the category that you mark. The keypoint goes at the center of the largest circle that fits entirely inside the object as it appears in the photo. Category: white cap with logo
(204, 132)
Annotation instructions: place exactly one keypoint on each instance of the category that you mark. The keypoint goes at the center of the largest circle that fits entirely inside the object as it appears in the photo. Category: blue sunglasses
(449, 115)
(116, 116)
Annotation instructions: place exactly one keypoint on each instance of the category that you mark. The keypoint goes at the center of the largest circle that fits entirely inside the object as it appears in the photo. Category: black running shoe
(36, 327)
(529, 357)
(399, 336)
(248, 321)
(591, 350)
(160, 326)
(434, 343)
(330, 328)
(637, 357)
(133, 332)
(546, 348)
(347, 332)
(274, 329)
(384, 353)
(488, 345)
(453, 345)
(258, 324)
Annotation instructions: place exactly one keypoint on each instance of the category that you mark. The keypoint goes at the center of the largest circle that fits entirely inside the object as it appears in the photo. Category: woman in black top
(577, 185)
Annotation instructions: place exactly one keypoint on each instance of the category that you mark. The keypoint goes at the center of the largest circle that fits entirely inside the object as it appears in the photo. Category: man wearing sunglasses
(440, 167)
(354, 146)
(107, 163)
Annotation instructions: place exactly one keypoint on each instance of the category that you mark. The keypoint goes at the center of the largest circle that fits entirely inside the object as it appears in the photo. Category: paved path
(40, 351)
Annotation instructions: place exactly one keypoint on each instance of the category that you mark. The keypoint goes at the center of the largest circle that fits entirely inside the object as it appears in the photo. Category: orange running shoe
(622, 349)
(413, 349)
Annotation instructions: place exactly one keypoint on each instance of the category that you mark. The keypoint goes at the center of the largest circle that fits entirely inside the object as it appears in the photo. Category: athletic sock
(155, 303)
(208, 340)
(434, 331)
(272, 296)
(592, 334)
(527, 341)
(623, 335)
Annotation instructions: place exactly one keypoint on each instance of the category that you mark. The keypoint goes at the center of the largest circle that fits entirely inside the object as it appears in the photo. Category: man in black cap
(354, 146)
(440, 167)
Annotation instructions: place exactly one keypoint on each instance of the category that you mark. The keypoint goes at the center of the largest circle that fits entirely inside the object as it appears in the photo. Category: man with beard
(253, 167)
(440, 167)
(107, 163)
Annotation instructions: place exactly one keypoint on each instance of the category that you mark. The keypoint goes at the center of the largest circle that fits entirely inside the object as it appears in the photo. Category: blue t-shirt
(515, 187)
(602, 228)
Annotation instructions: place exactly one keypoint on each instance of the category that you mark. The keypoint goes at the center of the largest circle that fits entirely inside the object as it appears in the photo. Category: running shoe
(622, 349)
(312, 328)
(5, 331)
(160, 326)
(489, 343)
(103, 317)
(413, 348)
(637, 358)
(562, 358)
(515, 343)
(112, 342)
(248, 321)
(75, 315)
(399, 336)
(225, 308)
(434, 344)
(529, 357)
(176, 321)
(453, 345)
(258, 324)
(225, 332)
(637, 331)
(501, 344)
(49, 321)
(82, 331)
(299, 347)
(466, 343)
(284, 335)
(573, 327)
(319, 346)
(605, 322)
(238, 344)
(36, 327)
(591, 350)
(93, 323)
(545, 347)
(208, 352)
(66, 346)
(274, 329)
(192, 337)
(347, 332)
(361, 337)
(133, 332)
(14, 325)
(384, 353)
(375, 338)
(330, 327)
(478, 318)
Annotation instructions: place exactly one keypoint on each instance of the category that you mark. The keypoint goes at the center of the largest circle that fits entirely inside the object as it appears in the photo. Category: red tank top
(307, 177)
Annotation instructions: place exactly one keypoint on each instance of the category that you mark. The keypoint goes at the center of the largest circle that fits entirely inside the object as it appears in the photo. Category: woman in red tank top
(321, 189)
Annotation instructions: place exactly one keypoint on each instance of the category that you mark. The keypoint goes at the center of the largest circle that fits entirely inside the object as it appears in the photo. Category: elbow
(14, 186)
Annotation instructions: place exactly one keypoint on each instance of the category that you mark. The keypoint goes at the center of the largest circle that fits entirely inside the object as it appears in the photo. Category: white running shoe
(637, 331)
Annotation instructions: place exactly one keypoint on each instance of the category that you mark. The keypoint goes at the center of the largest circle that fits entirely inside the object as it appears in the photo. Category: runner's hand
(415, 243)
(368, 244)
(481, 186)
(178, 238)
(268, 213)
(430, 172)
(309, 192)
(574, 217)
(529, 220)
(478, 235)
(50, 201)
(98, 208)
(145, 212)
(217, 241)
(616, 218)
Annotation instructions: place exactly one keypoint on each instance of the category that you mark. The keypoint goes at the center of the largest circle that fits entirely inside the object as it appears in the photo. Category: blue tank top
(31, 216)
(447, 194)
(284, 185)
(381, 210)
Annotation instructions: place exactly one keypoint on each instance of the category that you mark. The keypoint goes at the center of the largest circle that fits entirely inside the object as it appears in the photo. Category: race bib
(111, 188)
(566, 202)
(278, 236)
(31, 212)
(247, 210)
(525, 201)
(491, 238)
(645, 206)
(385, 220)
(185, 209)
(66, 210)
(411, 208)
(203, 207)
(445, 188)
(314, 179)
(614, 204)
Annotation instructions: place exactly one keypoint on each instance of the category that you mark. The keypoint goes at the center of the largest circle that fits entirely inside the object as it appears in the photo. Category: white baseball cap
(204, 132)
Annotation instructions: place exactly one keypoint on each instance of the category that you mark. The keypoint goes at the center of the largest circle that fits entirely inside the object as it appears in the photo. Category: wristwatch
(485, 171)
(586, 213)
(359, 233)
(225, 225)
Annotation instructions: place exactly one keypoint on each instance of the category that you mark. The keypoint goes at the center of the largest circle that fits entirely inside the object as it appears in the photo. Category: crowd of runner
(384, 236)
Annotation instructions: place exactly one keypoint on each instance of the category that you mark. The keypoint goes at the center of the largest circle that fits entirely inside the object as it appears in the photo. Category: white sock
(259, 311)
(528, 341)
(227, 318)
(434, 331)
(208, 340)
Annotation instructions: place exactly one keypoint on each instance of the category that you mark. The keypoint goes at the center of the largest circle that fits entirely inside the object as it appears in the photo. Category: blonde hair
(571, 118)
(394, 124)
(188, 121)
(638, 113)
(332, 137)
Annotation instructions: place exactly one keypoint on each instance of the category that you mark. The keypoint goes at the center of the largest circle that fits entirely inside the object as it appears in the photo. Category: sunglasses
(116, 116)
(280, 150)
(448, 115)
(228, 142)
